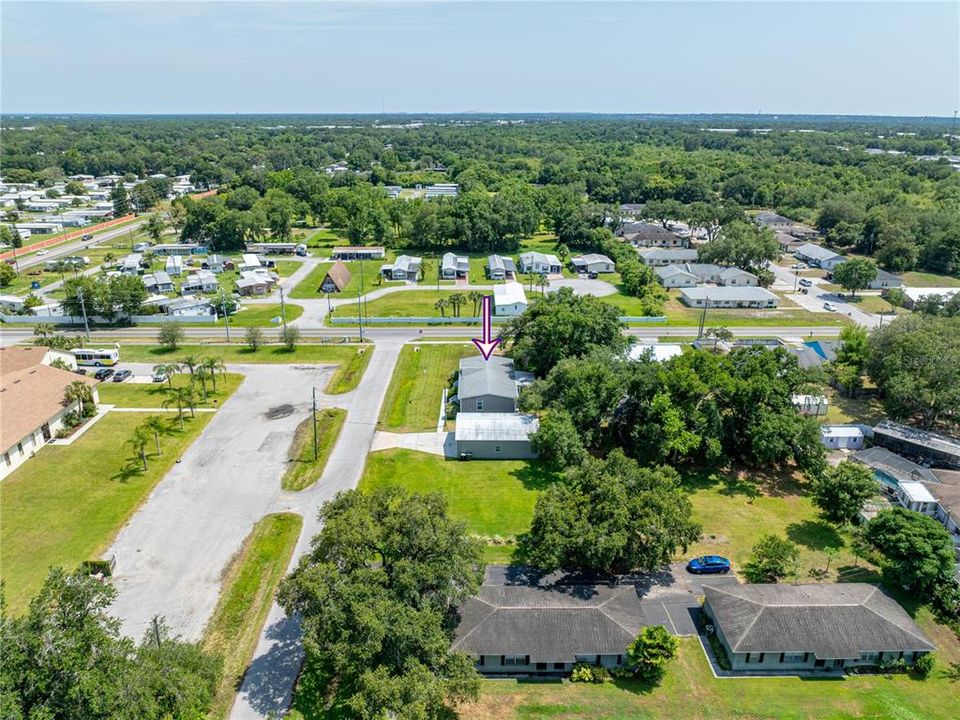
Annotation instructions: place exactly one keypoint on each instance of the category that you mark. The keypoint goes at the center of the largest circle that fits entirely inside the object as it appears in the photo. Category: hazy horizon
(888, 59)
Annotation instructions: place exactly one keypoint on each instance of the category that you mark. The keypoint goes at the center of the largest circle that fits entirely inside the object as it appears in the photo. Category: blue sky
(885, 58)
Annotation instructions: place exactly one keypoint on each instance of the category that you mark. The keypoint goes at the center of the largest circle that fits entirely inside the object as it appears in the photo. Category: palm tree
(456, 300)
(77, 392)
(213, 366)
(441, 305)
(61, 267)
(543, 282)
(476, 297)
(138, 441)
(156, 425)
(202, 374)
(180, 398)
(169, 370)
(44, 330)
(109, 258)
(190, 362)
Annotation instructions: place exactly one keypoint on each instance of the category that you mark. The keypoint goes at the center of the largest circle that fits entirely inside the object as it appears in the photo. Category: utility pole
(315, 446)
(223, 309)
(156, 631)
(83, 309)
(703, 318)
(283, 314)
(360, 314)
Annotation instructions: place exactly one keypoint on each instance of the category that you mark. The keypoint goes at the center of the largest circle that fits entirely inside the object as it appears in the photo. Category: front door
(819, 663)
(45, 431)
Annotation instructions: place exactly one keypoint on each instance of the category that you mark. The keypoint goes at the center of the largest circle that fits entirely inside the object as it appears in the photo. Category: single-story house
(204, 281)
(157, 282)
(675, 276)
(255, 282)
(545, 630)
(40, 228)
(768, 218)
(249, 262)
(495, 435)
(405, 267)
(728, 297)
(818, 256)
(509, 299)
(358, 252)
(593, 263)
(915, 496)
(661, 257)
(189, 306)
(272, 248)
(885, 281)
(174, 266)
(217, 264)
(336, 279)
(926, 447)
(32, 404)
(735, 277)
(540, 263)
(130, 265)
(948, 508)
(500, 268)
(788, 243)
(890, 469)
(815, 405)
(487, 385)
(810, 627)
(453, 266)
(644, 234)
(656, 351)
(915, 295)
(841, 437)
(179, 249)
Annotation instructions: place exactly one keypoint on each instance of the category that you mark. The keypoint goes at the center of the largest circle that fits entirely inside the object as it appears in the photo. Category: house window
(869, 657)
(496, 448)
(541, 666)
(6, 459)
(514, 660)
(20, 448)
(559, 666)
(479, 404)
(793, 657)
(588, 659)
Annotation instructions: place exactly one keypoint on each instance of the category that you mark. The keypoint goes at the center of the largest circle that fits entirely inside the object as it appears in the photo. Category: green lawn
(679, 314)
(351, 358)
(67, 504)
(141, 395)
(690, 692)
(495, 498)
(308, 287)
(250, 315)
(412, 403)
(925, 279)
(417, 303)
(862, 410)
(305, 469)
(249, 585)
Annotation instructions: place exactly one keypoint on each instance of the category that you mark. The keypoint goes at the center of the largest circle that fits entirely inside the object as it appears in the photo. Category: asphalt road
(75, 247)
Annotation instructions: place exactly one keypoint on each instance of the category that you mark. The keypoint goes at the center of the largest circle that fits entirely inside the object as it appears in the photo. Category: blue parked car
(708, 564)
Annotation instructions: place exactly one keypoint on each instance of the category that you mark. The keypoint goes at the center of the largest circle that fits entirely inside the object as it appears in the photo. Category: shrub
(924, 665)
(95, 567)
(71, 419)
(254, 338)
(170, 336)
(582, 672)
(772, 559)
(650, 651)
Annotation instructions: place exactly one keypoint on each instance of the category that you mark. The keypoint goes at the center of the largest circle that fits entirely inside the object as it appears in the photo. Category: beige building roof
(30, 392)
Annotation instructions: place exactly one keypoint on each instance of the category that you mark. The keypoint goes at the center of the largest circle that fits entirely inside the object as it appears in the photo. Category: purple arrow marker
(486, 344)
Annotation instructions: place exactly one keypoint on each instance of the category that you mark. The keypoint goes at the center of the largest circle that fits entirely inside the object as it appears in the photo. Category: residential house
(442, 190)
(923, 446)
(487, 385)
(680, 275)
(814, 405)
(528, 629)
(833, 626)
(767, 218)
(890, 469)
(509, 299)
(336, 279)
(157, 282)
(495, 435)
(215, 264)
(593, 263)
(728, 297)
(188, 307)
(885, 281)
(453, 266)
(174, 266)
(179, 249)
(32, 403)
(39, 228)
(841, 437)
(358, 252)
(644, 234)
(913, 295)
(500, 268)
(947, 494)
(255, 282)
(662, 257)
(405, 267)
(540, 263)
(130, 265)
(675, 276)
(249, 262)
(915, 496)
(818, 256)
(272, 248)
(203, 281)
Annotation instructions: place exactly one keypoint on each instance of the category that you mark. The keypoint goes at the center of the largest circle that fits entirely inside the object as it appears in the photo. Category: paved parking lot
(583, 286)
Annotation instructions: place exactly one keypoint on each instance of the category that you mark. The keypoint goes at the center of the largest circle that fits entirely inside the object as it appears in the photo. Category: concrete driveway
(583, 286)
(172, 552)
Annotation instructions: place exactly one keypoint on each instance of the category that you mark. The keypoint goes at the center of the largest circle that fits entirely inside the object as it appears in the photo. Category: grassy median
(249, 585)
(304, 468)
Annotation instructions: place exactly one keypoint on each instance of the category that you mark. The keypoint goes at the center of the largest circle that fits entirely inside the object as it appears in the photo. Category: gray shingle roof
(899, 468)
(816, 252)
(480, 377)
(831, 621)
(670, 254)
(550, 624)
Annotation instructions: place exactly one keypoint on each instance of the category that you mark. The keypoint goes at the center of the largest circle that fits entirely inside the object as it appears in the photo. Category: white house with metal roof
(841, 437)
(453, 266)
(509, 299)
(405, 267)
(818, 256)
(728, 297)
(540, 263)
(500, 268)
